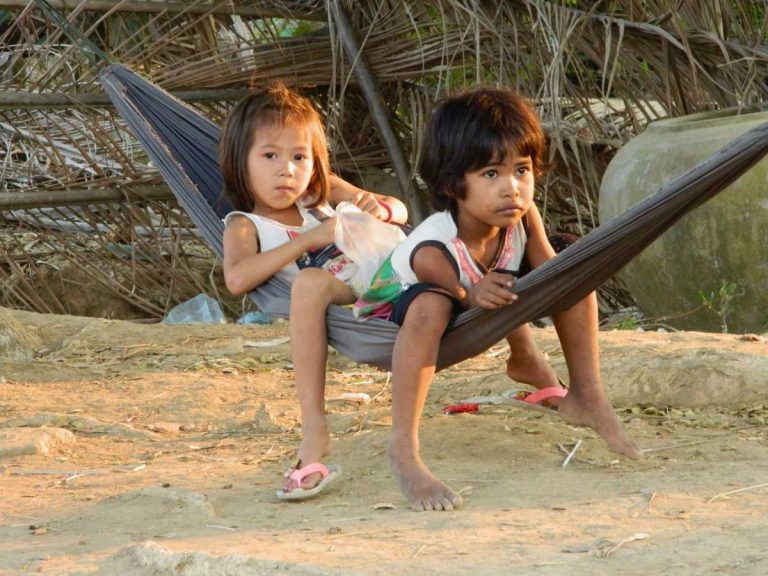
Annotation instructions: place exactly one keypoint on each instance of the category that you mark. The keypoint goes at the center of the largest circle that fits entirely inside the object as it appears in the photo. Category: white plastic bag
(201, 308)
(365, 240)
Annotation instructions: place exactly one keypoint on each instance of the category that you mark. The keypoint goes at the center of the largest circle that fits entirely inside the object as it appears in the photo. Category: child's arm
(537, 247)
(430, 264)
(393, 210)
(245, 268)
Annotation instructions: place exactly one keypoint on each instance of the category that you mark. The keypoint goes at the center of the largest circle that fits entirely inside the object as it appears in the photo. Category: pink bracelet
(387, 208)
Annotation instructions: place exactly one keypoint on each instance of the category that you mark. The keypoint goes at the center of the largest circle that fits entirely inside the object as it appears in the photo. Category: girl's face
(497, 195)
(280, 167)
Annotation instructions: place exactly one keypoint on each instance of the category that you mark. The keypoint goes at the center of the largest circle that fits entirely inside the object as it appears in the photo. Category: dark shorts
(400, 308)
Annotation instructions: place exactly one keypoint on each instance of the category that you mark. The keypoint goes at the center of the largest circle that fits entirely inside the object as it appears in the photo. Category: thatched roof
(74, 184)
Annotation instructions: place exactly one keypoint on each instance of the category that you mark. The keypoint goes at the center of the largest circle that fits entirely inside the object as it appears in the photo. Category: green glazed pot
(719, 250)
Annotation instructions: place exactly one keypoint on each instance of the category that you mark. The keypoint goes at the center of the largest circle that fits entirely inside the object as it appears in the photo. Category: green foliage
(719, 302)
(756, 12)
(627, 324)
(305, 27)
(270, 28)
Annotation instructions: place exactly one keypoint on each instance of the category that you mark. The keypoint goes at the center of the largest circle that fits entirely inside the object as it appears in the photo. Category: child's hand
(493, 291)
(367, 202)
(321, 235)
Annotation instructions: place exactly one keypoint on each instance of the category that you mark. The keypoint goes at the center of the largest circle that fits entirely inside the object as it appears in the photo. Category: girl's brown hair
(465, 132)
(276, 106)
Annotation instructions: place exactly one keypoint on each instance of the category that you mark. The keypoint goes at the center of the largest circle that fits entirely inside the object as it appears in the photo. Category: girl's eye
(523, 170)
(270, 155)
(491, 173)
(300, 157)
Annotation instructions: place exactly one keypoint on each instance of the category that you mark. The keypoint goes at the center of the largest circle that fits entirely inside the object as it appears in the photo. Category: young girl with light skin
(482, 151)
(274, 159)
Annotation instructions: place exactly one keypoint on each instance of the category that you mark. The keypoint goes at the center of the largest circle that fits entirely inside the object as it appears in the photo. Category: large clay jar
(720, 249)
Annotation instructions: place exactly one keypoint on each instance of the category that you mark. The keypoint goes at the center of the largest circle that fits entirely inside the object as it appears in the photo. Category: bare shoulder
(535, 222)
(434, 264)
(241, 238)
(537, 248)
(239, 224)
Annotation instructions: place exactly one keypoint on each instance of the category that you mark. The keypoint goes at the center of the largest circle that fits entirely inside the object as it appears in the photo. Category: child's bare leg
(413, 367)
(586, 402)
(527, 364)
(312, 292)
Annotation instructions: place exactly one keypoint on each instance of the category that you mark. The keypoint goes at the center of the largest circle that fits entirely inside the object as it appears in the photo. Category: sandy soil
(151, 449)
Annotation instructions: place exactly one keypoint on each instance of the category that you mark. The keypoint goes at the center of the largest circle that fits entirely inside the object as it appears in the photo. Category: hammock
(184, 147)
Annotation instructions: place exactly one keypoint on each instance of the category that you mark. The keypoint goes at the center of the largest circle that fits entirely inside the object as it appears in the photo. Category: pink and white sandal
(536, 400)
(298, 474)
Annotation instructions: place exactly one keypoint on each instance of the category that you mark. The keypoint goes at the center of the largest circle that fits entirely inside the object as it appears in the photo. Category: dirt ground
(152, 449)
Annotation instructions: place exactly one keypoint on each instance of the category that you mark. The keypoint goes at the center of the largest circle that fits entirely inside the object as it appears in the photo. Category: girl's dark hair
(470, 130)
(276, 106)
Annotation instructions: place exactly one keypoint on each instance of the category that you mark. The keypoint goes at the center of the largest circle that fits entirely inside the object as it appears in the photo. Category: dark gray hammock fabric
(184, 147)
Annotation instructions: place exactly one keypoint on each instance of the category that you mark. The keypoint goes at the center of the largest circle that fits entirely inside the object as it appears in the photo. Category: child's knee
(310, 280)
(317, 288)
(429, 311)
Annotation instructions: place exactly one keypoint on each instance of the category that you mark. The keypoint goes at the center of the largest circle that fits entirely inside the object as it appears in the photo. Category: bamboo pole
(49, 198)
(173, 8)
(379, 111)
(59, 100)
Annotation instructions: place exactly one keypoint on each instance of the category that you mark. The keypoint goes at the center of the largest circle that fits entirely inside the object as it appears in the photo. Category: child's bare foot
(595, 411)
(535, 371)
(422, 488)
(315, 445)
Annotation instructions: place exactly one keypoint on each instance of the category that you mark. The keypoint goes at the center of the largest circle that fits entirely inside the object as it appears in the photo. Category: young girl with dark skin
(482, 151)
(274, 159)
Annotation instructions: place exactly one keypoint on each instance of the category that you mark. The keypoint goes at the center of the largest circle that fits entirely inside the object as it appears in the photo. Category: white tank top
(440, 228)
(273, 234)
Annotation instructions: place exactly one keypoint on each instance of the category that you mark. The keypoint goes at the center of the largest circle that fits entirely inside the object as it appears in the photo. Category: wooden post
(379, 111)
(46, 100)
(48, 198)
(174, 8)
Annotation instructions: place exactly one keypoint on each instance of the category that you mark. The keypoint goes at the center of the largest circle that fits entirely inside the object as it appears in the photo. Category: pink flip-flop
(536, 400)
(328, 473)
